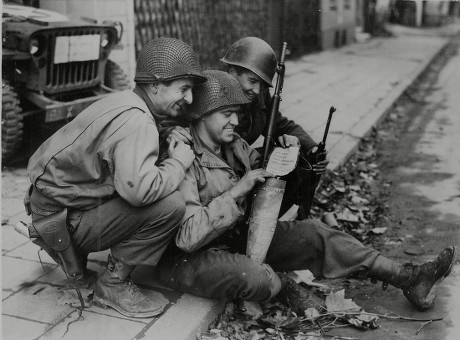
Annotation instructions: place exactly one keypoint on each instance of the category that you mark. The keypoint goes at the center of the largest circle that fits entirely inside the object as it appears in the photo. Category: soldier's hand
(248, 181)
(287, 140)
(182, 152)
(180, 133)
(320, 167)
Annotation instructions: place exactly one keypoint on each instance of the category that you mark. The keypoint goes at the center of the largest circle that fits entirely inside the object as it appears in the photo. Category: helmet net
(219, 91)
(167, 59)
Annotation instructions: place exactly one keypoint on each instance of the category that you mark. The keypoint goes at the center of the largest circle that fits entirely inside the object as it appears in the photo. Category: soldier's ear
(154, 88)
(232, 71)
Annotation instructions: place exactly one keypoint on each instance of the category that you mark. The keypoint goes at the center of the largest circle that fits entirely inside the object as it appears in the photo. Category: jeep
(53, 67)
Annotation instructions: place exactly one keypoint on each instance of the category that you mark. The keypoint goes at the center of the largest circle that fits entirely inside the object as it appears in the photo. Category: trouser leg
(310, 244)
(296, 245)
(215, 273)
(136, 235)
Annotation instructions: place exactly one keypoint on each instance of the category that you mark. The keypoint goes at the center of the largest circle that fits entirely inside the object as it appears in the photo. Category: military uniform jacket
(210, 209)
(109, 149)
(256, 115)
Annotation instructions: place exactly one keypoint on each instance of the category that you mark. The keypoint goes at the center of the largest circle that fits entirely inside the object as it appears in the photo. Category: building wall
(435, 12)
(359, 13)
(337, 22)
(115, 10)
(208, 26)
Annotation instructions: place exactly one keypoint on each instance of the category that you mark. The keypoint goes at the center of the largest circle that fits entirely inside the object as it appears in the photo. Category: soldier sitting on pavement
(99, 176)
(253, 63)
(208, 258)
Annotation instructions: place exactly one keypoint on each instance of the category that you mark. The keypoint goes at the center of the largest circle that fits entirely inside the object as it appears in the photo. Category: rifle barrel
(326, 131)
(274, 107)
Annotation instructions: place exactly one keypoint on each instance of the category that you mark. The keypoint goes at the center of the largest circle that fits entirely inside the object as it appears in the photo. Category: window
(333, 5)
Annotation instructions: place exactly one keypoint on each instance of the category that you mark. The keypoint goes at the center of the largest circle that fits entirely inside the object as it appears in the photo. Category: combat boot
(418, 282)
(116, 290)
(298, 297)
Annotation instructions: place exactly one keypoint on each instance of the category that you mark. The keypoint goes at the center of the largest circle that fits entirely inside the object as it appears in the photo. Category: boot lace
(132, 288)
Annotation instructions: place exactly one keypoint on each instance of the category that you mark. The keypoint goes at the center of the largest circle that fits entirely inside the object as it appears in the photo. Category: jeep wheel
(115, 78)
(12, 127)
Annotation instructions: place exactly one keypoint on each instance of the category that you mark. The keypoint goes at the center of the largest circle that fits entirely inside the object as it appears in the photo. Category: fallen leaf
(352, 208)
(363, 321)
(379, 231)
(364, 220)
(252, 309)
(359, 200)
(309, 336)
(256, 336)
(414, 251)
(336, 302)
(289, 322)
(311, 313)
(340, 189)
(306, 277)
(347, 215)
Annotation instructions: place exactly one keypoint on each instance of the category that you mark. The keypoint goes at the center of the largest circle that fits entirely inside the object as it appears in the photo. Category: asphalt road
(439, 142)
(420, 163)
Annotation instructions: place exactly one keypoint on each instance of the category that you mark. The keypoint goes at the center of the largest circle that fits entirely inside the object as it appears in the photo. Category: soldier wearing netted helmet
(252, 62)
(100, 176)
(209, 255)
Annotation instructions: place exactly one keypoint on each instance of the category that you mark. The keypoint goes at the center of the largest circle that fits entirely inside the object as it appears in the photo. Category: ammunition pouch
(56, 240)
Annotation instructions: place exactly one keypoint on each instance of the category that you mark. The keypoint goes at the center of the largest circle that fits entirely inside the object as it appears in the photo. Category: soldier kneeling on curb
(208, 257)
(96, 183)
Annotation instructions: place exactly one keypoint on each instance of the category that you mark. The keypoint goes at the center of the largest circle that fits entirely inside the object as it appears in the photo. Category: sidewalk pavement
(361, 81)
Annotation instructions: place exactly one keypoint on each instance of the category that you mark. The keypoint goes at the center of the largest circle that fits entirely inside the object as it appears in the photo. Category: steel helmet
(219, 91)
(253, 54)
(164, 59)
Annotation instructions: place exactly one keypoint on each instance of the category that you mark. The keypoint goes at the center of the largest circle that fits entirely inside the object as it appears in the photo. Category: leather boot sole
(105, 303)
(429, 299)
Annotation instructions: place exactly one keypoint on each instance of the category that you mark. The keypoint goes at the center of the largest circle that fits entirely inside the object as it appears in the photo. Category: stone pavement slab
(361, 80)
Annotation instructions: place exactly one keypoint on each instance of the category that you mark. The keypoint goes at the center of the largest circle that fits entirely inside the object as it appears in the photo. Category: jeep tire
(12, 126)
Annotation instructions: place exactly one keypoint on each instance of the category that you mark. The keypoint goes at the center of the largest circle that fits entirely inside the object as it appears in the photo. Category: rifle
(267, 198)
(312, 179)
(268, 141)
(320, 154)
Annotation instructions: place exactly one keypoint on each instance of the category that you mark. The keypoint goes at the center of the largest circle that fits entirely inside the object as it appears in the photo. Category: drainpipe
(418, 12)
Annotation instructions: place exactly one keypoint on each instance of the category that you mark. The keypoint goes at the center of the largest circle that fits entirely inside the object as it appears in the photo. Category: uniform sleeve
(202, 224)
(136, 177)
